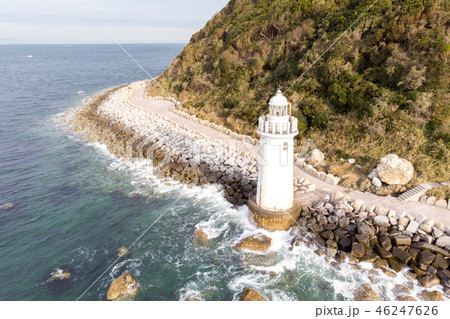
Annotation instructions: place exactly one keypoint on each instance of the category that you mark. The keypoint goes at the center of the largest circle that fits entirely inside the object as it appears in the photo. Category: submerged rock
(405, 298)
(431, 295)
(59, 274)
(192, 299)
(393, 170)
(258, 242)
(6, 206)
(201, 238)
(125, 287)
(122, 251)
(250, 295)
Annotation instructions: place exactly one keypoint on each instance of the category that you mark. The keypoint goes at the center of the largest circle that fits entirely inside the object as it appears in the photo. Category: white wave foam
(133, 265)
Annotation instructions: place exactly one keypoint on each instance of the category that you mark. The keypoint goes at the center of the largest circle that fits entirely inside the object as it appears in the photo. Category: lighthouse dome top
(278, 100)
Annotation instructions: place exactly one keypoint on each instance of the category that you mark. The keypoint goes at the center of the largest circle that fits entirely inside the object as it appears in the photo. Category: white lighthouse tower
(275, 190)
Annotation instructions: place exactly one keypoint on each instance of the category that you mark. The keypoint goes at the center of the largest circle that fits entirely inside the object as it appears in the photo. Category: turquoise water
(75, 205)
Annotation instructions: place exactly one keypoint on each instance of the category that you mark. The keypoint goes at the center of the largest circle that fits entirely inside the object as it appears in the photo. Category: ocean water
(75, 205)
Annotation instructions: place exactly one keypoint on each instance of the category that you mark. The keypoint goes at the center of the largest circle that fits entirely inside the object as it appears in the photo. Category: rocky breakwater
(131, 132)
(351, 231)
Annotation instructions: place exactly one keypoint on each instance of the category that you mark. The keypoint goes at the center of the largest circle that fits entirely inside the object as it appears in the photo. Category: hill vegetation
(383, 88)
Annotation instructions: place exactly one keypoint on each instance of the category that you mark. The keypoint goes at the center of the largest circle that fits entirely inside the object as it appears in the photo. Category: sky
(127, 21)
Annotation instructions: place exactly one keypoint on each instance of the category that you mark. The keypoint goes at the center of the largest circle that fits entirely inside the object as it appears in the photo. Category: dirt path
(413, 208)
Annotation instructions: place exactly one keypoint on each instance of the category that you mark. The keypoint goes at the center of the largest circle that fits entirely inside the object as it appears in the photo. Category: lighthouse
(273, 206)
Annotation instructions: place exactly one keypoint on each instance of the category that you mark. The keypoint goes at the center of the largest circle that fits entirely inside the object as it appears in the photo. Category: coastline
(194, 158)
(175, 151)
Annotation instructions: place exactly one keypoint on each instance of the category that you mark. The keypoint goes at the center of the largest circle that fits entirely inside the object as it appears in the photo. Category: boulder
(395, 171)
(258, 242)
(388, 272)
(444, 275)
(381, 221)
(425, 257)
(403, 222)
(357, 203)
(441, 203)
(383, 253)
(437, 232)
(401, 255)
(443, 241)
(125, 287)
(400, 290)
(405, 298)
(402, 240)
(250, 295)
(433, 248)
(385, 242)
(373, 174)
(431, 295)
(358, 250)
(316, 156)
(426, 228)
(440, 262)
(376, 182)
(395, 265)
(412, 226)
(365, 293)
(429, 281)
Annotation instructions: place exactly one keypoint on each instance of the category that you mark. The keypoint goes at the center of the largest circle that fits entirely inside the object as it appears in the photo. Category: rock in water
(6, 206)
(125, 287)
(59, 274)
(395, 171)
(122, 251)
(201, 238)
(258, 242)
(365, 293)
(250, 295)
(316, 156)
(431, 295)
(405, 298)
(429, 281)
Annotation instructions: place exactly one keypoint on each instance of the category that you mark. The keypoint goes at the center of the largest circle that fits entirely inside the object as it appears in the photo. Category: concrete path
(163, 107)
(413, 208)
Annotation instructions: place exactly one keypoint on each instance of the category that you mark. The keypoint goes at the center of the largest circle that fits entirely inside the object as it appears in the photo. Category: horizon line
(93, 43)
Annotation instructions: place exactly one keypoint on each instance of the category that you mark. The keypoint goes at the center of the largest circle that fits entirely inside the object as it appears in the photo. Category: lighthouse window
(285, 146)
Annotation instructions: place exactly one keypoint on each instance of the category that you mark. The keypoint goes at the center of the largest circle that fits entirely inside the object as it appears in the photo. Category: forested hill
(383, 88)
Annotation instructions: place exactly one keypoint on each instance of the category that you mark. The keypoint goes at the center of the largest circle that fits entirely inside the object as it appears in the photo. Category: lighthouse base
(273, 220)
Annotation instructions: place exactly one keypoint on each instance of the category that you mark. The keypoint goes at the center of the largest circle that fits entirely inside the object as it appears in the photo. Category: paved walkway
(414, 208)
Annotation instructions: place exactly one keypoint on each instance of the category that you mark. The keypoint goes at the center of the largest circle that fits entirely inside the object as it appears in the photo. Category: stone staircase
(414, 193)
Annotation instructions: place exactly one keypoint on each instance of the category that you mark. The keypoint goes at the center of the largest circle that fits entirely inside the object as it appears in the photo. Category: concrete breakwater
(131, 132)
(348, 231)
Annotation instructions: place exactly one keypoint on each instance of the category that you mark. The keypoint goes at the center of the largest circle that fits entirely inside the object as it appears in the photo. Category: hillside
(383, 88)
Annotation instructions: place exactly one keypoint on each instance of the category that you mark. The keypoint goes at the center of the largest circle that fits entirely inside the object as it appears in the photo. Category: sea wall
(175, 151)
(348, 230)
(177, 109)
